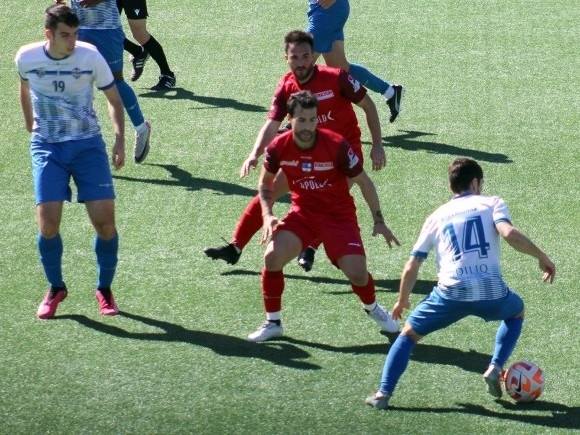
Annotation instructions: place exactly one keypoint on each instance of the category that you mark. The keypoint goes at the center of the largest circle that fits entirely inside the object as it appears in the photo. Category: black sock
(156, 51)
(132, 48)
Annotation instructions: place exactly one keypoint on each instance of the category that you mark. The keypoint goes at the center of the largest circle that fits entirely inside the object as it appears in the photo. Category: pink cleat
(47, 308)
(107, 304)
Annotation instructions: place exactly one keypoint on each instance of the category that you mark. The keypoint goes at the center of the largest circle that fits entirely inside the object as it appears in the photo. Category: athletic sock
(155, 50)
(396, 363)
(107, 257)
(130, 103)
(51, 259)
(131, 47)
(366, 293)
(368, 79)
(506, 339)
(249, 223)
(272, 289)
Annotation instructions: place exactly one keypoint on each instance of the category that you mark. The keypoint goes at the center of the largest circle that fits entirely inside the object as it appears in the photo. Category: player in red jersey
(336, 92)
(320, 167)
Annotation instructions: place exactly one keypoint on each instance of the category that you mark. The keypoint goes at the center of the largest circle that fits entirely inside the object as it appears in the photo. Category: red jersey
(317, 177)
(336, 91)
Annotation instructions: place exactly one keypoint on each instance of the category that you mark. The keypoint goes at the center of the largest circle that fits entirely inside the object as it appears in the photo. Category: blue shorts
(435, 312)
(327, 25)
(85, 160)
(109, 42)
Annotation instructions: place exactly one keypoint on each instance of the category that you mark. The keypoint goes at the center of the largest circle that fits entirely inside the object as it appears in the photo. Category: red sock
(249, 224)
(272, 289)
(366, 293)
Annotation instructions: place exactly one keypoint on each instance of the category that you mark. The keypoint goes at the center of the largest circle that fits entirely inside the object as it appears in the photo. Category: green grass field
(496, 81)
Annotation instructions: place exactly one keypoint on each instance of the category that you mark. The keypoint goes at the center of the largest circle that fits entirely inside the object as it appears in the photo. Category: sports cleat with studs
(107, 305)
(47, 308)
(378, 400)
(267, 331)
(142, 144)
(493, 377)
(306, 259)
(384, 319)
(166, 82)
(394, 102)
(229, 253)
(138, 63)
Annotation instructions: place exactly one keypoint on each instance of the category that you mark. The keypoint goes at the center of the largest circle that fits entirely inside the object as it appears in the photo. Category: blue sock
(506, 339)
(396, 363)
(130, 103)
(368, 79)
(51, 259)
(106, 251)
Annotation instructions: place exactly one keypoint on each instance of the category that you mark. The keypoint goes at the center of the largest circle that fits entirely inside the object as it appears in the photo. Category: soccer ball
(524, 381)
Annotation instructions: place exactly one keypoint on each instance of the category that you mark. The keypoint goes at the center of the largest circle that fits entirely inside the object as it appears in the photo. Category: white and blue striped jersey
(103, 16)
(61, 90)
(467, 247)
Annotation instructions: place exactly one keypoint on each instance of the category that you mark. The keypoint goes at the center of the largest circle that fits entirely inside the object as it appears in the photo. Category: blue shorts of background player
(109, 42)
(85, 161)
(327, 25)
(435, 312)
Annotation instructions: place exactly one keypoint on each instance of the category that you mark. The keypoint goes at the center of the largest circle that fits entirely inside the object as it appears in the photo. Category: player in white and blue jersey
(57, 77)
(465, 235)
(100, 25)
(326, 21)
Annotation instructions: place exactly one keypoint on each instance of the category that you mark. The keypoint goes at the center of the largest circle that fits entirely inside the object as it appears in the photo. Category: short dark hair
(60, 14)
(462, 171)
(304, 99)
(296, 37)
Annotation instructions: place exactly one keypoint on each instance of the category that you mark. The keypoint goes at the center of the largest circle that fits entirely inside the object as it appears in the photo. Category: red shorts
(340, 236)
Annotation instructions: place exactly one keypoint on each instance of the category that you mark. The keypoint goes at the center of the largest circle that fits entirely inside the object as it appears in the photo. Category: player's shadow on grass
(283, 354)
(558, 415)
(211, 102)
(182, 178)
(422, 287)
(408, 141)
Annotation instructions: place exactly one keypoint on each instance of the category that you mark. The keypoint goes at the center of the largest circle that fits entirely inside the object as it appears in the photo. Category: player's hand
(549, 269)
(250, 163)
(398, 308)
(270, 224)
(378, 158)
(59, 2)
(381, 228)
(118, 155)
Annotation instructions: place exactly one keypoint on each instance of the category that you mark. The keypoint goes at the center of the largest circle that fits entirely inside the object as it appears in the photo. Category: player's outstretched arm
(378, 157)
(408, 281)
(117, 115)
(520, 242)
(26, 104)
(265, 136)
(371, 197)
(266, 192)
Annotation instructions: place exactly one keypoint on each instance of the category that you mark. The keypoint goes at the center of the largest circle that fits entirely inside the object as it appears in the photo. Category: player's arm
(372, 116)
(371, 197)
(117, 115)
(265, 136)
(520, 242)
(266, 192)
(26, 104)
(408, 281)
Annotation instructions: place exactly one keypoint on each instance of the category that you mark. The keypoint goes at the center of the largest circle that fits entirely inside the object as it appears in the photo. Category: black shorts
(134, 9)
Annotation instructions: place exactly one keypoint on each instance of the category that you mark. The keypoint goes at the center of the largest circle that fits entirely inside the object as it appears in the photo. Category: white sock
(370, 307)
(389, 93)
(274, 316)
(141, 129)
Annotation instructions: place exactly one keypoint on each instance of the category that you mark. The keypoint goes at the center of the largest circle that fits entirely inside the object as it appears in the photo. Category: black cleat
(165, 83)
(228, 253)
(394, 102)
(138, 63)
(306, 259)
